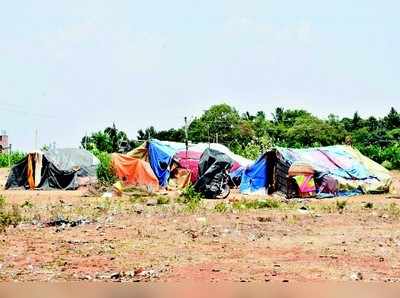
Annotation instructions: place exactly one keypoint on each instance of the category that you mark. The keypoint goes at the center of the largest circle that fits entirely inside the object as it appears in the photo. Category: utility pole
(186, 137)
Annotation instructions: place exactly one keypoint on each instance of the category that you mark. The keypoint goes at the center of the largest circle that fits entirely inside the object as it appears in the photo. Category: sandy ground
(133, 239)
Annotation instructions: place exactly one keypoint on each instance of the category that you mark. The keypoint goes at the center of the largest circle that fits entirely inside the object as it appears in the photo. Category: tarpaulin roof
(255, 176)
(339, 160)
(240, 160)
(133, 171)
(68, 159)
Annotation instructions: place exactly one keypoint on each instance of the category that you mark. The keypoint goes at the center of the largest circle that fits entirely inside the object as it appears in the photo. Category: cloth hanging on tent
(180, 178)
(305, 183)
(30, 173)
(329, 185)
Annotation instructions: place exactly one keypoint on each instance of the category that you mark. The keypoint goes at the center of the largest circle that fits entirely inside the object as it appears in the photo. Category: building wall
(3, 142)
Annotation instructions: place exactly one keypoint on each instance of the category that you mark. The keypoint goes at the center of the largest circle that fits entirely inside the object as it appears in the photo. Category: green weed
(341, 205)
(8, 217)
(221, 207)
(163, 200)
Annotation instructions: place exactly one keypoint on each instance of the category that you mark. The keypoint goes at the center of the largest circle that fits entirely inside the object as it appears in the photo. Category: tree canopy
(250, 134)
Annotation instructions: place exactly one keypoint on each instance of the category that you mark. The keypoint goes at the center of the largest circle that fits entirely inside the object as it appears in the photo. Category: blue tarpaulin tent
(254, 177)
(160, 156)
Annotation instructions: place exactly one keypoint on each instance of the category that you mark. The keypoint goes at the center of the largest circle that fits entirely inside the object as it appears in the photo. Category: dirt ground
(65, 236)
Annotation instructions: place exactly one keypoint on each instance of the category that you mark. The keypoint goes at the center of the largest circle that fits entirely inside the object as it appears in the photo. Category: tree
(109, 140)
(278, 115)
(116, 137)
(392, 120)
(310, 131)
(148, 133)
(220, 121)
(372, 123)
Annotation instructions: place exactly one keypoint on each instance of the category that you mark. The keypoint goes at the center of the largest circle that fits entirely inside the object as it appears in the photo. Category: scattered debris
(137, 275)
(65, 223)
(393, 197)
(107, 194)
(264, 219)
(151, 202)
(356, 276)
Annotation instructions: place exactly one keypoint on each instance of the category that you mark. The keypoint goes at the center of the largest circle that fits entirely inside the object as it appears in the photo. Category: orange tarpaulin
(133, 171)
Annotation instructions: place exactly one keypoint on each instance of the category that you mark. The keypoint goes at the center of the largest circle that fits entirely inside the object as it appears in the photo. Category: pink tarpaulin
(189, 160)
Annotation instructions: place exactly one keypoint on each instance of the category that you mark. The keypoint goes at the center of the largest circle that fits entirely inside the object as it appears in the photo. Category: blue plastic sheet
(255, 176)
(160, 157)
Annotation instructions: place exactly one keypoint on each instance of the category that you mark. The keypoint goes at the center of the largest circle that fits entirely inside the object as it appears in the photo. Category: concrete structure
(4, 146)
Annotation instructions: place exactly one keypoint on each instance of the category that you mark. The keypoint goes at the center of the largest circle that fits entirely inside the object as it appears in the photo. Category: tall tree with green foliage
(248, 134)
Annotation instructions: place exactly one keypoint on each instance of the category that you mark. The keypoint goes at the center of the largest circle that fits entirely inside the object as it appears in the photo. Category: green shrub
(388, 156)
(393, 210)
(388, 165)
(257, 204)
(392, 155)
(189, 194)
(221, 207)
(7, 160)
(191, 198)
(163, 200)
(341, 205)
(8, 217)
(105, 172)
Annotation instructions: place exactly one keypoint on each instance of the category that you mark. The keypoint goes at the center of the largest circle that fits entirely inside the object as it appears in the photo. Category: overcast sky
(68, 67)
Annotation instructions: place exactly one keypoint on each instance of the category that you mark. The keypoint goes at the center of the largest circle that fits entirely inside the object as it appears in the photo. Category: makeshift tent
(59, 168)
(36, 171)
(161, 155)
(133, 171)
(352, 172)
(211, 167)
(255, 177)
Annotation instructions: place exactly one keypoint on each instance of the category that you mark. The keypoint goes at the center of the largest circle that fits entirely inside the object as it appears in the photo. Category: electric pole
(186, 137)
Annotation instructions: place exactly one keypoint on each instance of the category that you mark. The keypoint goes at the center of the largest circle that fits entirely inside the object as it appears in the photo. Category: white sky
(72, 66)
